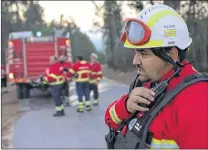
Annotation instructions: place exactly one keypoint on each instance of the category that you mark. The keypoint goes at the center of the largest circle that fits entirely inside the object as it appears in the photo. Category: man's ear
(173, 53)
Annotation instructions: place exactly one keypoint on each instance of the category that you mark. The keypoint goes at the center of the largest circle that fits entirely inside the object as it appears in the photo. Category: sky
(81, 11)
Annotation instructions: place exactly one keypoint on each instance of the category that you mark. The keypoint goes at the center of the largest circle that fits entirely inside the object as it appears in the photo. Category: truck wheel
(26, 91)
(19, 92)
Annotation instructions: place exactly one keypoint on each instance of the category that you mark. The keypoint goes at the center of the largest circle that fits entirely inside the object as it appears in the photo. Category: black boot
(88, 108)
(59, 113)
(80, 110)
(95, 102)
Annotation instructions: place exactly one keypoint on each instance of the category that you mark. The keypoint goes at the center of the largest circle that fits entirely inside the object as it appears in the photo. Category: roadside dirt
(10, 113)
(121, 77)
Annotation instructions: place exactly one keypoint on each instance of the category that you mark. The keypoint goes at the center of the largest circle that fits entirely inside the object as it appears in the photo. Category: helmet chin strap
(160, 52)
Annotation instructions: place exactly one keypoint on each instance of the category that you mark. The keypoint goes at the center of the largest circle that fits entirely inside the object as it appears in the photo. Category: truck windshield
(20, 35)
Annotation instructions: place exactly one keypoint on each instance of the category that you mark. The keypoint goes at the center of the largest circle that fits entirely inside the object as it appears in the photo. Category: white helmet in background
(94, 55)
(62, 58)
(53, 58)
(156, 26)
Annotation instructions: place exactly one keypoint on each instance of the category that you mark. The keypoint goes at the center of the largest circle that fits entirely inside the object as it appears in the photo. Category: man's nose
(137, 59)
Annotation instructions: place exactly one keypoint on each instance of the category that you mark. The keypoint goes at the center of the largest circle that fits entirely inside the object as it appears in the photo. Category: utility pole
(71, 41)
(55, 42)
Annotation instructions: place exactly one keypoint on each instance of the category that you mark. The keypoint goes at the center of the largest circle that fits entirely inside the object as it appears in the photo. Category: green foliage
(117, 57)
(101, 57)
(82, 46)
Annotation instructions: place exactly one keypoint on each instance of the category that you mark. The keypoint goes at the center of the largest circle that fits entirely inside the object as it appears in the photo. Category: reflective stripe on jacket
(56, 74)
(81, 70)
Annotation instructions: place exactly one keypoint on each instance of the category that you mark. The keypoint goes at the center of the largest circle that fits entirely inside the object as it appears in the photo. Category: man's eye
(144, 54)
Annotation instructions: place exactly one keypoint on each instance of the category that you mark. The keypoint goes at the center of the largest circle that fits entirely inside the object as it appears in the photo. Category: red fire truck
(28, 57)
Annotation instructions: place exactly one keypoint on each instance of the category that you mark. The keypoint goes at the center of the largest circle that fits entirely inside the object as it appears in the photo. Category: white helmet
(94, 55)
(62, 58)
(53, 58)
(156, 26)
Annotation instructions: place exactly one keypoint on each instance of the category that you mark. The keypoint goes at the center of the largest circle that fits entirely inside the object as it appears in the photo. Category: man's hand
(139, 95)
(98, 81)
(76, 75)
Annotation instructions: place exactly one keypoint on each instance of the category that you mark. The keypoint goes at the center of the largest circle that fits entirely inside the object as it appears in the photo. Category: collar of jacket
(187, 70)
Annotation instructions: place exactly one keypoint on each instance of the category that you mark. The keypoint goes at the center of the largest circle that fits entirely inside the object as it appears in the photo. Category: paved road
(37, 128)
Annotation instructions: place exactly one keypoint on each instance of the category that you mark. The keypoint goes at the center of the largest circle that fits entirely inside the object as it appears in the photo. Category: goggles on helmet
(136, 32)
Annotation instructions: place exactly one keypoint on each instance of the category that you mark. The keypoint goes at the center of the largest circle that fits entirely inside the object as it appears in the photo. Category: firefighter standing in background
(67, 65)
(3, 79)
(81, 72)
(56, 80)
(95, 77)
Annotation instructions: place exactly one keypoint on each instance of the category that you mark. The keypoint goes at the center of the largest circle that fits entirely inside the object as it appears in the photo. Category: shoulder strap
(167, 98)
(135, 83)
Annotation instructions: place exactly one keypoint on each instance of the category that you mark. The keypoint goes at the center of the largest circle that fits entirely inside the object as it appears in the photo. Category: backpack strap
(145, 121)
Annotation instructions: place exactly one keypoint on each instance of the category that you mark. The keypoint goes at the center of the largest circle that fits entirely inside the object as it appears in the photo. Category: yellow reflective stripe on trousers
(45, 82)
(114, 116)
(81, 105)
(59, 108)
(87, 103)
(163, 144)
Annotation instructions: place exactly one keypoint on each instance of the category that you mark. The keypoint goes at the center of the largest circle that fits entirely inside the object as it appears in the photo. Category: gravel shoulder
(10, 112)
(118, 76)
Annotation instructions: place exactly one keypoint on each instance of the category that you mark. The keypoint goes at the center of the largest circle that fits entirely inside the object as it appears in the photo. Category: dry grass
(121, 77)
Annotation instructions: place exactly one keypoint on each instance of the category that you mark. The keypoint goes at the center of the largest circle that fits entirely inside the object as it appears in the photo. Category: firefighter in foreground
(56, 80)
(81, 72)
(3, 79)
(67, 65)
(95, 77)
(160, 39)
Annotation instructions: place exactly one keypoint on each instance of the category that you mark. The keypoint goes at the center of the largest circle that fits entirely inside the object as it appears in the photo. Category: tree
(11, 21)
(82, 45)
(112, 30)
(80, 42)
(101, 57)
(137, 5)
(33, 17)
(116, 54)
(196, 16)
(174, 4)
